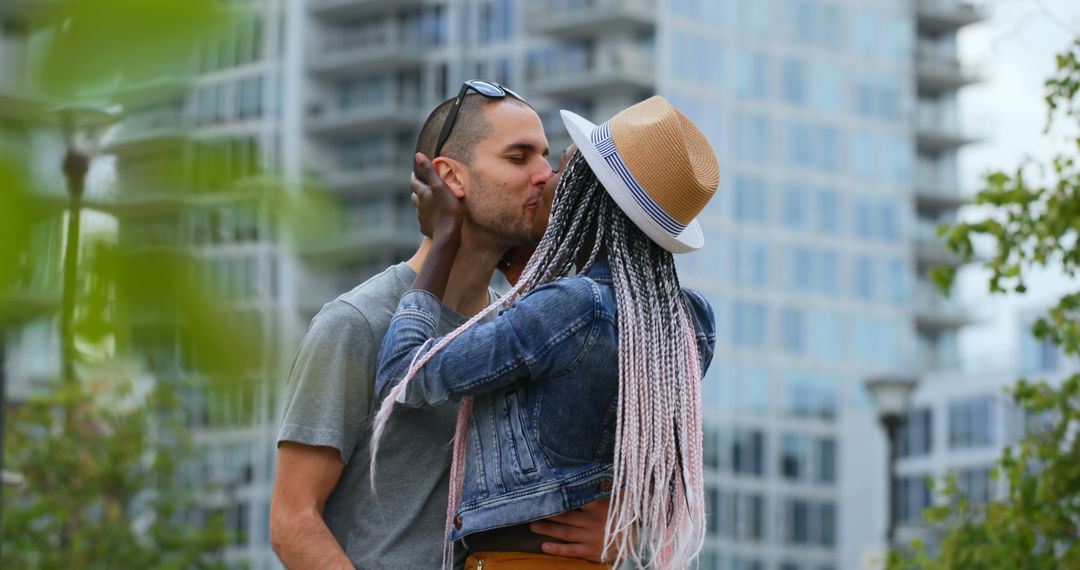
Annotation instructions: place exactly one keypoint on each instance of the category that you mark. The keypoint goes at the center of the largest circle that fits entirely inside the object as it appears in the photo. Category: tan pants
(527, 561)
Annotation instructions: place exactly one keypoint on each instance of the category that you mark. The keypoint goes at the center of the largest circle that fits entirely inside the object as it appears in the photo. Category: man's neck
(467, 289)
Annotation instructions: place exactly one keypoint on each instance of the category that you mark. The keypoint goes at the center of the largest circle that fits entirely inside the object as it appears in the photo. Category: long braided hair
(656, 516)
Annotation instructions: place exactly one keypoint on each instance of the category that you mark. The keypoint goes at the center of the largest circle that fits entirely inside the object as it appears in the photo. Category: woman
(586, 386)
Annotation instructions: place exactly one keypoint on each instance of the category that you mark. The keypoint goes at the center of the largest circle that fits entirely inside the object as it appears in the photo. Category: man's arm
(306, 475)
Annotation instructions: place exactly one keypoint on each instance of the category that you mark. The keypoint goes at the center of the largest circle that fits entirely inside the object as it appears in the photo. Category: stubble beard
(498, 223)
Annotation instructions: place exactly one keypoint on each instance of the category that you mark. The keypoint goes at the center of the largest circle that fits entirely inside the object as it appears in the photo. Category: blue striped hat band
(601, 137)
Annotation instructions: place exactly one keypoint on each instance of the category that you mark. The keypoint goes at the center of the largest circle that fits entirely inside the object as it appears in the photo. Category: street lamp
(891, 396)
(82, 127)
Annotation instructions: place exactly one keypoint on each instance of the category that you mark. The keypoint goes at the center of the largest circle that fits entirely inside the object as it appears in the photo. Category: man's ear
(453, 173)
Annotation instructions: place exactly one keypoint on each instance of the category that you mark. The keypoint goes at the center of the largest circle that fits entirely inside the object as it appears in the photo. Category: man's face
(543, 212)
(507, 175)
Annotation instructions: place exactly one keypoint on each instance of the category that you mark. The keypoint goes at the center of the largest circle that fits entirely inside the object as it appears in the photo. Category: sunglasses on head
(488, 89)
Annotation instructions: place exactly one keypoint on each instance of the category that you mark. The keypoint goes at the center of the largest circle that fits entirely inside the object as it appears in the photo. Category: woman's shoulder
(701, 309)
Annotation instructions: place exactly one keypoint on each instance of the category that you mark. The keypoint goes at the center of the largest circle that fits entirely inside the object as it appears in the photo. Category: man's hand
(580, 530)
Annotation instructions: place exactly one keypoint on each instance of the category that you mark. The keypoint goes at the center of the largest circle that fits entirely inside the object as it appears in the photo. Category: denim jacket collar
(600, 271)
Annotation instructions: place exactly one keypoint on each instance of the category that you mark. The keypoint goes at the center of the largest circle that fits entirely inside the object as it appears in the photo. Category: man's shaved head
(471, 126)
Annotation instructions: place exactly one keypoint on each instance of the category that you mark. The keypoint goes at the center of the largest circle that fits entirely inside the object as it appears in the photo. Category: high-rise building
(192, 153)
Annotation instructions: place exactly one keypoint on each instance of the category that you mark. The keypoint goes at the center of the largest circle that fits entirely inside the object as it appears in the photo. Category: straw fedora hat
(657, 166)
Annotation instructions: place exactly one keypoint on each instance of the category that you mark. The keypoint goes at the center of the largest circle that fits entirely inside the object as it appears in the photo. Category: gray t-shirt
(328, 402)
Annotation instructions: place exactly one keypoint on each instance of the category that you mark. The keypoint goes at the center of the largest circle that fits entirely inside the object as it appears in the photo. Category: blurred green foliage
(104, 486)
(1033, 221)
(102, 457)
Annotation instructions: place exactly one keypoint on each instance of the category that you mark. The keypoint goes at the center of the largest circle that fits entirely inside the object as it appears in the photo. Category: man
(324, 513)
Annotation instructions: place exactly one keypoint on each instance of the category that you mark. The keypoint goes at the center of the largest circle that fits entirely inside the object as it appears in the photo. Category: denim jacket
(545, 375)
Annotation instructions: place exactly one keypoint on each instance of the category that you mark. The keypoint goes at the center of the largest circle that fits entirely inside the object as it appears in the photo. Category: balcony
(33, 12)
(148, 132)
(937, 130)
(942, 16)
(583, 18)
(937, 71)
(930, 249)
(376, 117)
(621, 70)
(935, 313)
(936, 192)
(318, 288)
(23, 304)
(349, 54)
(335, 10)
(140, 203)
(368, 180)
(369, 231)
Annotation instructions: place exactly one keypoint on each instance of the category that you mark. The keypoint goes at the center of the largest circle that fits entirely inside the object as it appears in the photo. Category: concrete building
(29, 339)
(959, 425)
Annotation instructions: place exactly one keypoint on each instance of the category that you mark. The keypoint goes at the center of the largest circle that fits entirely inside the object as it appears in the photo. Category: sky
(1014, 51)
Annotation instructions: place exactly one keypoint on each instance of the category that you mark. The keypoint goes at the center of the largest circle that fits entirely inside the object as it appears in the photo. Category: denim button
(457, 523)
(605, 485)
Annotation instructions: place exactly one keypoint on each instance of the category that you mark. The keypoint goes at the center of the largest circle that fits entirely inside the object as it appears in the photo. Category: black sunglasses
(488, 89)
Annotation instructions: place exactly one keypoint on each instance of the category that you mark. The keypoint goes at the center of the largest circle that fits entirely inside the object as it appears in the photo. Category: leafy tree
(1033, 221)
(104, 488)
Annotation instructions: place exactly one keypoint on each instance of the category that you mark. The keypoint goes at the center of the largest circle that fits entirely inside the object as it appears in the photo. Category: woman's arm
(542, 336)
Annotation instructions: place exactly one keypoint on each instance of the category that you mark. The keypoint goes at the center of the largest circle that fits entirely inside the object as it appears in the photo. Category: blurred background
(185, 184)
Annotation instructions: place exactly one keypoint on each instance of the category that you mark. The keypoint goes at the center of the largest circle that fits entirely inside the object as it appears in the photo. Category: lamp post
(81, 126)
(891, 396)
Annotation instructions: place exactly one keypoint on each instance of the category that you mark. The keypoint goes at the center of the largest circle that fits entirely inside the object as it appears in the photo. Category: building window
(828, 212)
(814, 147)
(826, 336)
(793, 82)
(736, 515)
(751, 75)
(793, 211)
(711, 447)
(748, 452)
(876, 341)
(748, 324)
(898, 272)
(809, 523)
(793, 330)
(750, 262)
(828, 273)
(751, 198)
(800, 269)
(917, 435)
(810, 395)
(792, 457)
(249, 98)
(1038, 356)
(913, 499)
(825, 460)
(971, 422)
(975, 485)
(864, 278)
(752, 141)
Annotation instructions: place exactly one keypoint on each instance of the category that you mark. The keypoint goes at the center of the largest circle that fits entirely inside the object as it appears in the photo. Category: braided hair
(656, 515)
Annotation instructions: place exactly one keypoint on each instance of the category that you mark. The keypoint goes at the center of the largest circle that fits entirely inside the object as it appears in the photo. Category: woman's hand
(438, 210)
(442, 212)
(422, 198)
